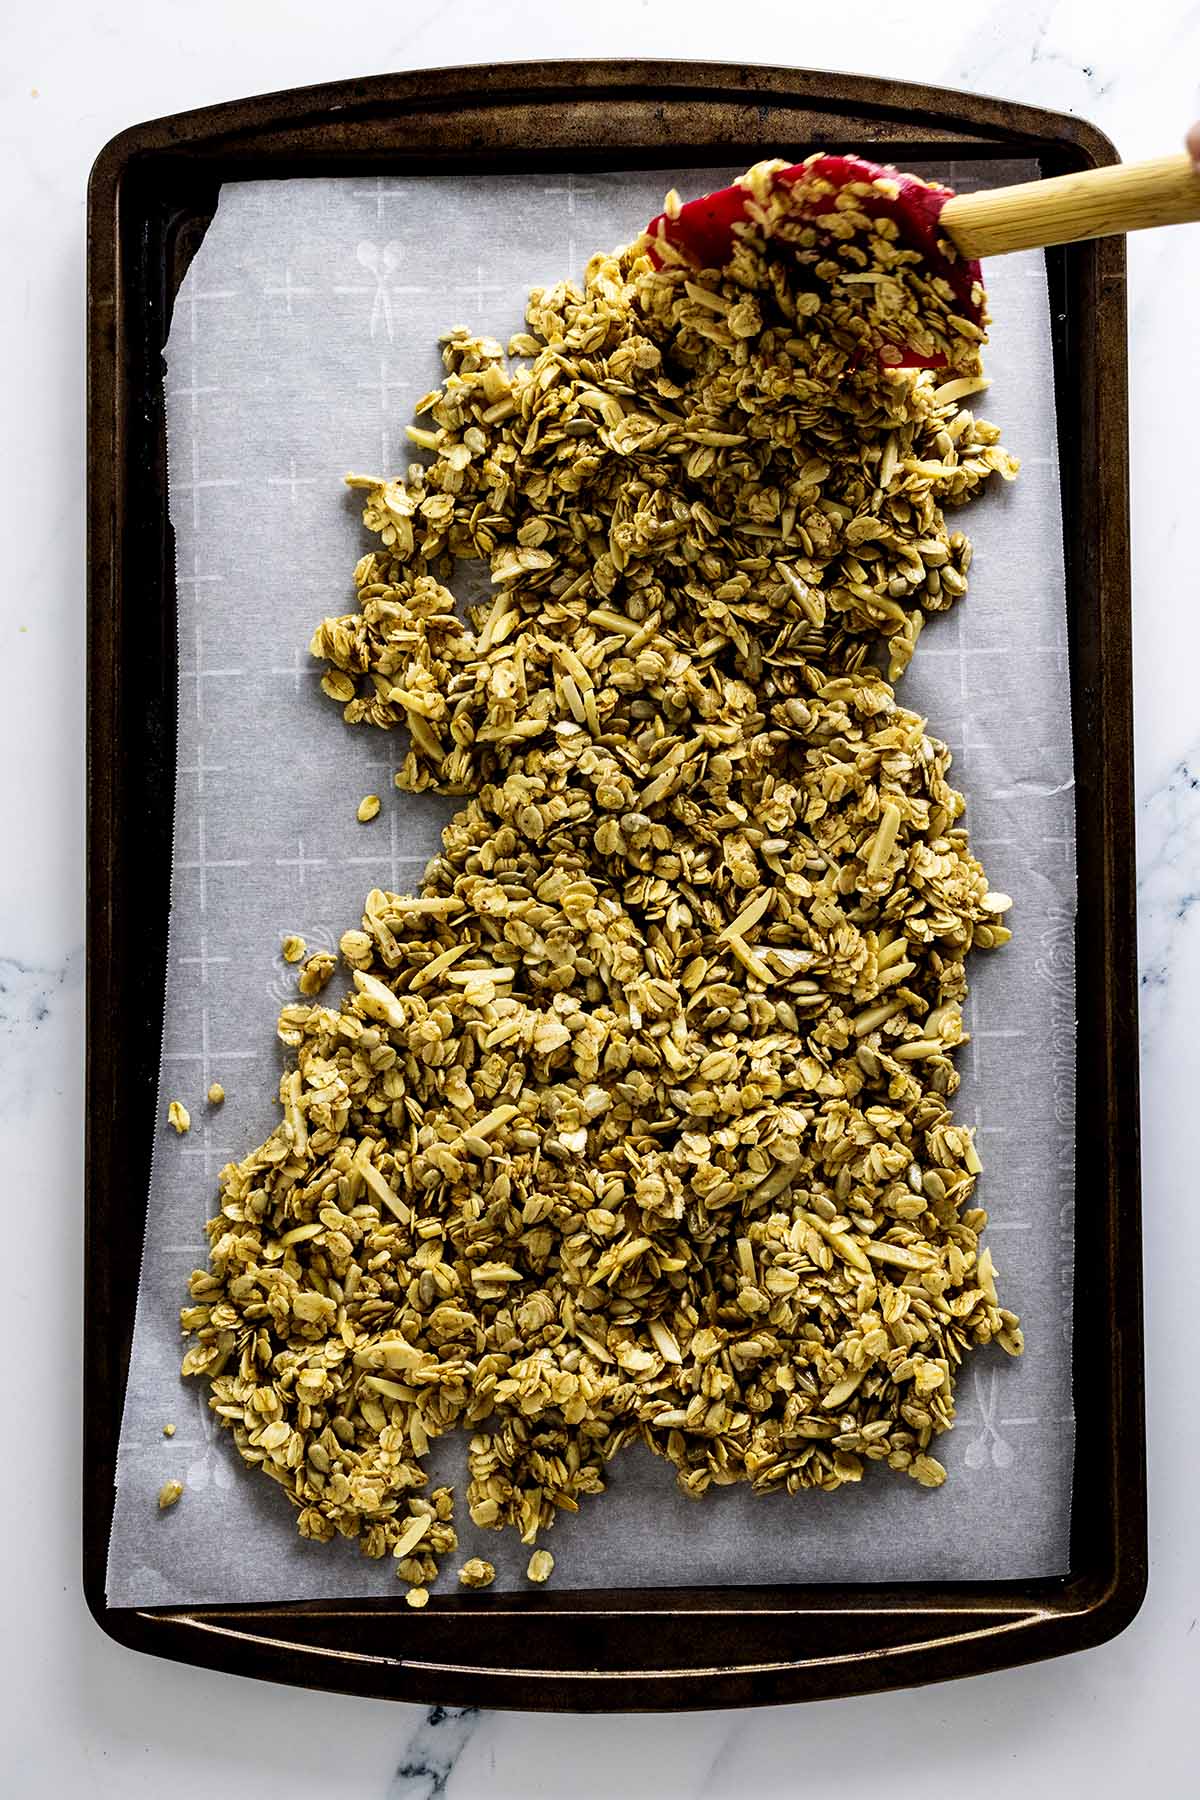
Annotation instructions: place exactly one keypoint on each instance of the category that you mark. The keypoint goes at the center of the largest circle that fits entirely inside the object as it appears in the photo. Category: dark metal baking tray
(153, 191)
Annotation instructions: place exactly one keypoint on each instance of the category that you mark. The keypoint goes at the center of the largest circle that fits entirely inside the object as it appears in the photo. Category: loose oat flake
(168, 1494)
(636, 1121)
(179, 1117)
(541, 1566)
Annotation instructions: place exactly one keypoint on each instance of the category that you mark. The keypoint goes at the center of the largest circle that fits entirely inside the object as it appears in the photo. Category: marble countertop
(80, 1716)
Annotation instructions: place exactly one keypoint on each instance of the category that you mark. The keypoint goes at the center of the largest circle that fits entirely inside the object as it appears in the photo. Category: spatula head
(704, 229)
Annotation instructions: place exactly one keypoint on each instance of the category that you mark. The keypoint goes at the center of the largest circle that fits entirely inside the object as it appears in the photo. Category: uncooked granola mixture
(636, 1122)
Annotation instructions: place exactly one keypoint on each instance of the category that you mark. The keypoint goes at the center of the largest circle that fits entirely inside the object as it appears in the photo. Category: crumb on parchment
(316, 972)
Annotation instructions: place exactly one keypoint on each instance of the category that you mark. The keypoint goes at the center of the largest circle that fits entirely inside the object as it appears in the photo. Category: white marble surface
(78, 1716)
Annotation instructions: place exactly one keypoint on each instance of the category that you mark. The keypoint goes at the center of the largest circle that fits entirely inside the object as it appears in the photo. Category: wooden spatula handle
(1068, 208)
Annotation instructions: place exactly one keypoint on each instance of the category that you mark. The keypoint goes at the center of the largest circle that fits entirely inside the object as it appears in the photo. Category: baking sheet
(304, 331)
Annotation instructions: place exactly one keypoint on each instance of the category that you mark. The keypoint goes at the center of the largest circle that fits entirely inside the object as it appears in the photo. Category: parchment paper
(304, 332)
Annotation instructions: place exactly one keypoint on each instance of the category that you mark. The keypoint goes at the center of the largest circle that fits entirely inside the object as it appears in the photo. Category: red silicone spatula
(1062, 210)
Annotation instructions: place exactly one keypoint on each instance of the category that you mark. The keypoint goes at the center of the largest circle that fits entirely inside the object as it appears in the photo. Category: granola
(477, 1573)
(636, 1121)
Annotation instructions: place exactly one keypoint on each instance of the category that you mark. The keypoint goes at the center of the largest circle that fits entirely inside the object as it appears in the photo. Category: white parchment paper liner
(305, 329)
